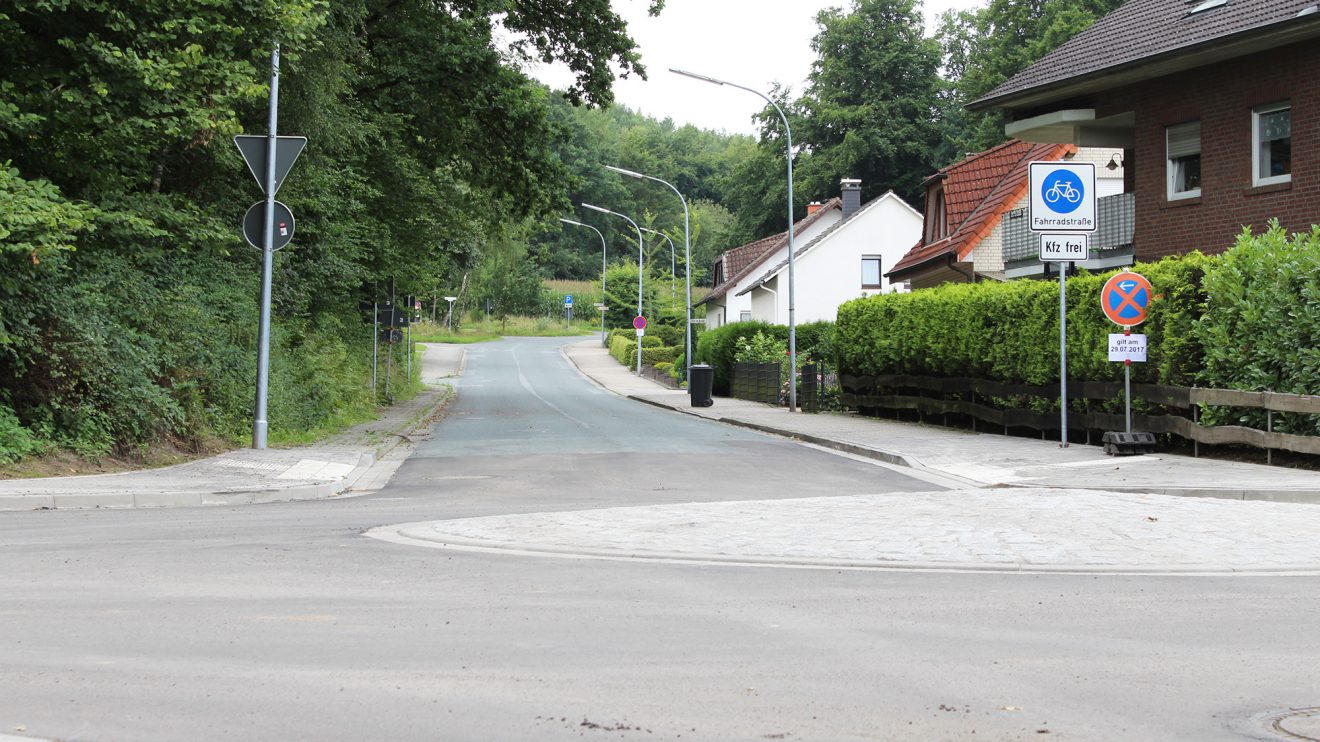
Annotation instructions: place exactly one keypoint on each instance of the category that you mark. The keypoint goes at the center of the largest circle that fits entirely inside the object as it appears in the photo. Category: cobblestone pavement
(1010, 529)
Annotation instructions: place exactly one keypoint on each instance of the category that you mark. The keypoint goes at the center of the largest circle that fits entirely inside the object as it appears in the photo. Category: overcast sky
(750, 42)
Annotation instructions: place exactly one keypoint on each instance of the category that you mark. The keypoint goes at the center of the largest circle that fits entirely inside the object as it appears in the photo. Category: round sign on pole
(1125, 298)
(254, 222)
(639, 322)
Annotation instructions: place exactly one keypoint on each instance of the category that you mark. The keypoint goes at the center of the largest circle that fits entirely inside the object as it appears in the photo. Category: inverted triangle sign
(253, 149)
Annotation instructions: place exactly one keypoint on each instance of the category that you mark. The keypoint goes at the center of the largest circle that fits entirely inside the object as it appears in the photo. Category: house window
(1184, 148)
(871, 272)
(937, 222)
(745, 315)
(1271, 139)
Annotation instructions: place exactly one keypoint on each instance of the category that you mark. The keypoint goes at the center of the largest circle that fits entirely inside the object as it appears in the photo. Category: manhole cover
(1296, 724)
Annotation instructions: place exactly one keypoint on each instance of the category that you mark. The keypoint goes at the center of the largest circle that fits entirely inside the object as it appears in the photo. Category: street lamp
(673, 269)
(687, 258)
(602, 271)
(792, 315)
(641, 271)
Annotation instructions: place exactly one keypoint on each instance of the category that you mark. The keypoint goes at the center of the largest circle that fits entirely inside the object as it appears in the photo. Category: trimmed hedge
(1010, 331)
(623, 348)
(719, 347)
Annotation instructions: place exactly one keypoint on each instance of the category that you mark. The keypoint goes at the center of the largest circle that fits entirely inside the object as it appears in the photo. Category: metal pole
(375, 341)
(792, 297)
(408, 342)
(1127, 393)
(1063, 355)
(687, 262)
(641, 271)
(259, 424)
(603, 267)
(1127, 388)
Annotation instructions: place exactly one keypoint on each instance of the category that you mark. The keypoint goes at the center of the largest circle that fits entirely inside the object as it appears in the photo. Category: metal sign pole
(1127, 387)
(1063, 355)
(259, 424)
(375, 341)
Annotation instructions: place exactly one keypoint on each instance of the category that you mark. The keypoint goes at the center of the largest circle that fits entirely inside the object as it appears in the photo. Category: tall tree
(871, 109)
(983, 48)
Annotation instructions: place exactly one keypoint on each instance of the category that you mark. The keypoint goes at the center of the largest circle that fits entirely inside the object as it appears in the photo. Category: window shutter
(1184, 140)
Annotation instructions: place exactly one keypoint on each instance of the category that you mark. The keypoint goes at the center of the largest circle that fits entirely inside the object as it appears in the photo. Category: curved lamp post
(602, 271)
(673, 269)
(687, 257)
(792, 316)
(641, 271)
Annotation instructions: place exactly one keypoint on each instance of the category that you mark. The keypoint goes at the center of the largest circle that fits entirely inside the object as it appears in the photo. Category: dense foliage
(1010, 331)
(128, 299)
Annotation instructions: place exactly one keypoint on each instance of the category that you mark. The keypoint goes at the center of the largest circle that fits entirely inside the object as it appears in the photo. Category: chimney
(852, 196)
(813, 207)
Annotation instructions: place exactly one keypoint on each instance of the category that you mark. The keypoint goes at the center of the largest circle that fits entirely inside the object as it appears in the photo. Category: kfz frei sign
(1062, 196)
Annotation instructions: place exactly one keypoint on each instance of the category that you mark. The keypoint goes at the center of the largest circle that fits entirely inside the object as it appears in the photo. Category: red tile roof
(977, 192)
(1154, 34)
(742, 260)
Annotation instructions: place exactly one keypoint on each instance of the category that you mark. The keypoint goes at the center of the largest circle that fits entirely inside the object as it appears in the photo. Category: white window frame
(880, 275)
(1256, 178)
(1172, 194)
(745, 315)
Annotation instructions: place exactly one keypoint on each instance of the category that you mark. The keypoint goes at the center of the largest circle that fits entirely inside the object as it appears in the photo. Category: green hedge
(719, 347)
(1010, 331)
(624, 350)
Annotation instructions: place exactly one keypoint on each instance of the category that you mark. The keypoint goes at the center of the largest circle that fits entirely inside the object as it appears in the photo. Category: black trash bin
(701, 379)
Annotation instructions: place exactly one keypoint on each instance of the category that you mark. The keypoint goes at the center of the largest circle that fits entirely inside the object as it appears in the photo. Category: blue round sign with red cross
(639, 322)
(1125, 298)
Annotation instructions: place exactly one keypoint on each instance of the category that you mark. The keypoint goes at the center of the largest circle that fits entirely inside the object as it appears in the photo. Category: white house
(847, 260)
(738, 268)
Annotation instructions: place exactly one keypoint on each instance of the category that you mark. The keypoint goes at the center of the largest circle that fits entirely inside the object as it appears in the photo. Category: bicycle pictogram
(1063, 191)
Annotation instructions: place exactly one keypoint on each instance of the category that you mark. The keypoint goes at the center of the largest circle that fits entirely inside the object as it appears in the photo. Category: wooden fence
(758, 382)
(962, 396)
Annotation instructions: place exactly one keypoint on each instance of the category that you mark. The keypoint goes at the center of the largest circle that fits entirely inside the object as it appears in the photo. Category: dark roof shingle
(1142, 32)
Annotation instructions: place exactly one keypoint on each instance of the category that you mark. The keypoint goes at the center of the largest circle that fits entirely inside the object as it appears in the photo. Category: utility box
(701, 382)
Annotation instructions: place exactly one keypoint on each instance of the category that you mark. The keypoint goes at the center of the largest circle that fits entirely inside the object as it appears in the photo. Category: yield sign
(1125, 298)
(253, 149)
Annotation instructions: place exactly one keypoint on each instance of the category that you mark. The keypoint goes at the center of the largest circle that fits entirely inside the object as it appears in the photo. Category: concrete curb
(415, 534)
(135, 498)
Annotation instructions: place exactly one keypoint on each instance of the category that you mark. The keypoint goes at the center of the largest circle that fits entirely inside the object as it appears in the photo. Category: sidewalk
(975, 460)
(352, 459)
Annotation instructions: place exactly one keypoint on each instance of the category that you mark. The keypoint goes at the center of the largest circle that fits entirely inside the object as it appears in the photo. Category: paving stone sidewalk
(973, 459)
(243, 476)
(1010, 529)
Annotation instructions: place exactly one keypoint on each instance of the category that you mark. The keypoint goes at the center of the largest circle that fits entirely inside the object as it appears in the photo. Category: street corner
(1002, 529)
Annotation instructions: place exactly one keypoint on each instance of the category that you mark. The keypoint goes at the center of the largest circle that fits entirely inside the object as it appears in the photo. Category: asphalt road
(285, 622)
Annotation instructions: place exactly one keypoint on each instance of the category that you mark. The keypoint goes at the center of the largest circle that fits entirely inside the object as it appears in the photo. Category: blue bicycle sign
(1063, 191)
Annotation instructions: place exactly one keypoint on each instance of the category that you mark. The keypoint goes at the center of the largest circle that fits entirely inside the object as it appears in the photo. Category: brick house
(1201, 97)
(975, 224)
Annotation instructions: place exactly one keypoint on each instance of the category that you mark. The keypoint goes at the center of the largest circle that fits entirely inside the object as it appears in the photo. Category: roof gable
(828, 233)
(755, 253)
(1151, 33)
(977, 191)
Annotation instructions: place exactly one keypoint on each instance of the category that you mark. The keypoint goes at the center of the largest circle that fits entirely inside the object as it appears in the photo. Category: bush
(1261, 324)
(1010, 331)
(653, 356)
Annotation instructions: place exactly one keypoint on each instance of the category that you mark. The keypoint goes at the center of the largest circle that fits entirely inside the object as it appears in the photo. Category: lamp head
(695, 76)
(596, 208)
(570, 221)
(621, 171)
